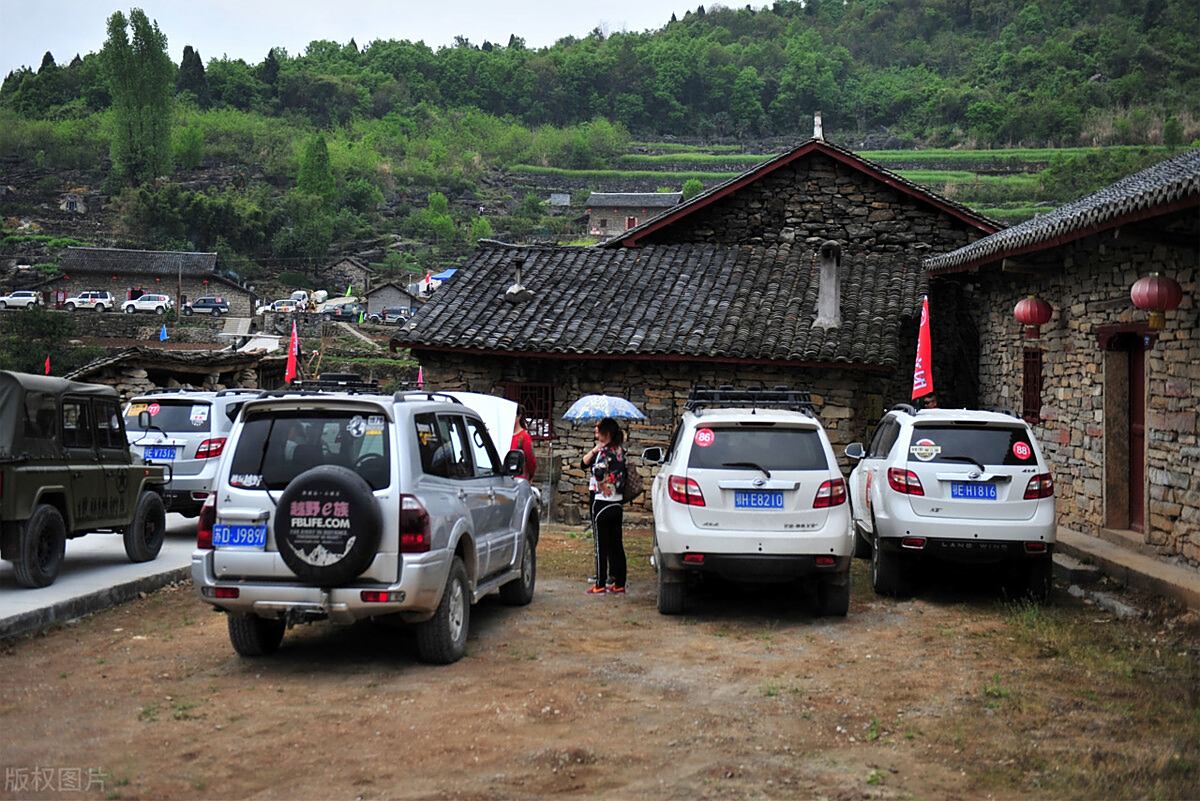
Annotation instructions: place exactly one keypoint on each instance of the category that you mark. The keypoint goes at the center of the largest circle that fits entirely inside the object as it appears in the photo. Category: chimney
(829, 293)
(518, 293)
(817, 132)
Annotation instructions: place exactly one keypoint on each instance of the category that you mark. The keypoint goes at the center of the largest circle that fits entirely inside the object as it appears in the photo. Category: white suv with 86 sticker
(750, 490)
(953, 485)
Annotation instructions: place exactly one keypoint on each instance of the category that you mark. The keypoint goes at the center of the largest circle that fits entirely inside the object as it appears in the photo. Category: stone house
(131, 273)
(132, 371)
(722, 289)
(344, 273)
(1113, 399)
(390, 295)
(73, 202)
(611, 213)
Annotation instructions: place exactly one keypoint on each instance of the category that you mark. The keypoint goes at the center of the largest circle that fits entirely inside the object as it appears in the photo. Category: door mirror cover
(855, 451)
(144, 420)
(653, 455)
(514, 462)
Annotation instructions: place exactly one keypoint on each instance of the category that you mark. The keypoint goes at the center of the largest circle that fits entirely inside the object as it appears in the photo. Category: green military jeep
(66, 470)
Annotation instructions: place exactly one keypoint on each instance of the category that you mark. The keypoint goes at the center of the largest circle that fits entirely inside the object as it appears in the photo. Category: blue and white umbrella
(595, 407)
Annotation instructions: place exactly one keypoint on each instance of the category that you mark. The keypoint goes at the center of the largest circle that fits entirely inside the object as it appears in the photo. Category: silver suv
(188, 431)
(346, 505)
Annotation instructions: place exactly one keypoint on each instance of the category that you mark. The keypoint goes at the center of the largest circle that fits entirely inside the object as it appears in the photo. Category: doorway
(1125, 431)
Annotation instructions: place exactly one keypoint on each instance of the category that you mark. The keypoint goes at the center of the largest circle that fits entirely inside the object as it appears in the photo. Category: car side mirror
(144, 420)
(653, 455)
(855, 451)
(514, 462)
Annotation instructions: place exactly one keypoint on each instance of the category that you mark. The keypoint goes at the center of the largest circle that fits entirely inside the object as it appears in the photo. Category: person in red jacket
(521, 440)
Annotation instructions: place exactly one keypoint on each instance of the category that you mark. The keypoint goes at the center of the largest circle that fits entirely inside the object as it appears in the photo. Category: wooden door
(1137, 433)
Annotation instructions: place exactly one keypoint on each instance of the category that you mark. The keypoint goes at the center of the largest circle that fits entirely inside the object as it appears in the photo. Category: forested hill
(936, 72)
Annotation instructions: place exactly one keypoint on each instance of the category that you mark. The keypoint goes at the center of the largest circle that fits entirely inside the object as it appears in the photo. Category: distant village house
(611, 213)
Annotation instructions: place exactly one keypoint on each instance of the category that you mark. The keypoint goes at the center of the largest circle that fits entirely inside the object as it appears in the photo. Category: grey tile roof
(116, 261)
(1164, 184)
(692, 300)
(641, 200)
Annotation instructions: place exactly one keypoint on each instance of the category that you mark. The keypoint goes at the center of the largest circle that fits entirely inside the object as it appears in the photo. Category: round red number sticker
(704, 437)
(1022, 451)
(154, 409)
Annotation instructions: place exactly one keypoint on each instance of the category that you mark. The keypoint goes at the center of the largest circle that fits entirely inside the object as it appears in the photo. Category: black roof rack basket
(779, 397)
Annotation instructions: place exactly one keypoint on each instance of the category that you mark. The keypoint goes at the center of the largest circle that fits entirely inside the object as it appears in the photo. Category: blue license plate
(164, 453)
(240, 536)
(757, 499)
(973, 490)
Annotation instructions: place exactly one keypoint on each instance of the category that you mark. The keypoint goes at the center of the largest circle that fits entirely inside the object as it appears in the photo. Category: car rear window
(988, 445)
(747, 448)
(174, 417)
(275, 448)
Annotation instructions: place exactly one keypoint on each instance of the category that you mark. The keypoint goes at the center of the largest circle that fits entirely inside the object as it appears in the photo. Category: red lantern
(1158, 295)
(1033, 312)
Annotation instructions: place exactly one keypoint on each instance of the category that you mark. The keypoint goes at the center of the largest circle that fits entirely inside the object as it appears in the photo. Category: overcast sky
(247, 28)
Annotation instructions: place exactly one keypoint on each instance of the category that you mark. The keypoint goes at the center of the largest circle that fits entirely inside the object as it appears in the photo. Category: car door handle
(462, 495)
(491, 493)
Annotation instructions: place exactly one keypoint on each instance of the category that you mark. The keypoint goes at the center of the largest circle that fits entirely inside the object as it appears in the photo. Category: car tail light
(414, 525)
(904, 481)
(210, 448)
(226, 592)
(204, 526)
(381, 596)
(1035, 547)
(916, 543)
(825, 561)
(831, 493)
(693, 558)
(685, 490)
(1040, 486)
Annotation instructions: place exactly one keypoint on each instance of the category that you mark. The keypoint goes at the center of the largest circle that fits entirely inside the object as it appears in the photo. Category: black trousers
(610, 549)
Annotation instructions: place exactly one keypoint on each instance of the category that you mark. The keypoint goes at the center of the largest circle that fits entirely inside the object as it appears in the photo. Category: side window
(890, 435)
(484, 453)
(41, 416)
(442, 442)
(873, 450)
(110, 430)
(76, 429)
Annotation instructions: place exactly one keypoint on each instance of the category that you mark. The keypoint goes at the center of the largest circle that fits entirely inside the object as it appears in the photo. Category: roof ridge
(157, 252)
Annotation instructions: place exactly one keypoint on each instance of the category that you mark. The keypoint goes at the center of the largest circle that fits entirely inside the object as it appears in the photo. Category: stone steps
(1132, 568)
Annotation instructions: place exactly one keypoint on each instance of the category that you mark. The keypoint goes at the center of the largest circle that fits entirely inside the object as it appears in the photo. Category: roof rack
(168, 391)
(406, 395)
(780, 397)
(907, 408)
(238, 391)
(337, 382)
(1003, 410)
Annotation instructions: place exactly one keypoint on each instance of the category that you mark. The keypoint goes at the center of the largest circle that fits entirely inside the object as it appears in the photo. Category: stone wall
(131, 379)
(241, 301)
(116, 325)
(849, 403)
(1089, 288)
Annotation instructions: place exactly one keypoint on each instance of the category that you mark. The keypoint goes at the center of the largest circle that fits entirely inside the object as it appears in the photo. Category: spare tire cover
(327, 525)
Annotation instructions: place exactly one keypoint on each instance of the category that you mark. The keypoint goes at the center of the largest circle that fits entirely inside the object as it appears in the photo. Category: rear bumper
(963, 551)
(419, 591)
(896, 519)
(757, 567)
(178, 492)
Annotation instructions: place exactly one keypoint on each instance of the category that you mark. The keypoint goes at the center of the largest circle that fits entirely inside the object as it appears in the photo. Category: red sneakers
(618, 589)
(596, 589)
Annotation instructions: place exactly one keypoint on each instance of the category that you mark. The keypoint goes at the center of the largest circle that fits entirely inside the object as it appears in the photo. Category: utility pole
(178, 285)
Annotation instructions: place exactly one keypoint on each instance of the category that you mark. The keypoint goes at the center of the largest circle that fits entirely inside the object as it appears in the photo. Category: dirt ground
(955, 694)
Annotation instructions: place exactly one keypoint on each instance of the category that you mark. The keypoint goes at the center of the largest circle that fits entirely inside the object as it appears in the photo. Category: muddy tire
(145, 533)
(252, 635)
(888, 574)
(833, 596)
(519, 591)
(442, 639)
(672, 591)
(1033, 582)
(41, 545)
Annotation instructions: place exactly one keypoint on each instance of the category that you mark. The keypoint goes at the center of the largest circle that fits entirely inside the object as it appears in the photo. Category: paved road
(96, 574)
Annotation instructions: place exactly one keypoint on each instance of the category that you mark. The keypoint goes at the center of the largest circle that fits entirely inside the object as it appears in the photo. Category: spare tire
(327, 525)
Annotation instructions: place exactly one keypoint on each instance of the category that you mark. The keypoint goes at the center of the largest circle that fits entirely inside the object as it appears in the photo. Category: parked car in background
(97, 301)
(953, 486)
(350, 504)
(188, 431)
(21, 299)
(65, 471)
(343, 313)
(155, 304)
(284, 306)
(393, 315)
(207, 305)
(750, 490)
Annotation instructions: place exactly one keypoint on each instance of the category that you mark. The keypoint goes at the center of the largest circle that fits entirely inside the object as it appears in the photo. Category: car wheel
(41, 546)
(99, 308)
(1033, 580)
(888, 576)
(3, 305)
(328, 550)
(187, 311)
(70, 307)
(159, 310)
(128, 309)
(145, 533)
(252, 635)
(833, 596)
(443, 638)
(519, 591)
(672, 591)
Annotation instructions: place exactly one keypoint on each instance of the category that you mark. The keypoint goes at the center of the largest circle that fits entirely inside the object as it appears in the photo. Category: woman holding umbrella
(606, 463)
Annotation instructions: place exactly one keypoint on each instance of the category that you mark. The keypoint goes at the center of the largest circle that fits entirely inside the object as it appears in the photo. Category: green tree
(691, 188)
(316, 173)
(191, 77)
(139, 74)
(189, 147)
(1172, 132)
(481, 229)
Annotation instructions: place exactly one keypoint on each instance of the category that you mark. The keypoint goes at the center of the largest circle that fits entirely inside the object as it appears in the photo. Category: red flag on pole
(923, 368)
(289, 375)
(420, 378)
(47, 365)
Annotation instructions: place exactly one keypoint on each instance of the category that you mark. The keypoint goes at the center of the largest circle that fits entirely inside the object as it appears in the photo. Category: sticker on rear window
(1022, 451)
(135, 409)
(356, 426)
(925, 449)
(375, 421)
(199, 415)
(154, 409)
(245, 480)
(704, 437)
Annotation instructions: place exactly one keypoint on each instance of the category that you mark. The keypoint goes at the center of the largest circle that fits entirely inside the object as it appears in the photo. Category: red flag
(420, 378)
(923, 368)
(289, 375)
(47, 365)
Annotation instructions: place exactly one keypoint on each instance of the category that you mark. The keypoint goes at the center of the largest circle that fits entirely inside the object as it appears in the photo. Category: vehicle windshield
(172, 416)
(988, 445)
(770, 448)
(276, 447)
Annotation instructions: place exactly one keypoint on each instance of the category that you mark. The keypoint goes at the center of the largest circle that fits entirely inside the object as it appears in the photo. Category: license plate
(757, 499)
(240, 536)
(160, 452)
(973, 490)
